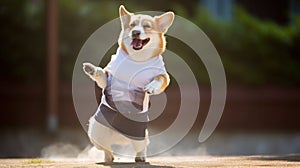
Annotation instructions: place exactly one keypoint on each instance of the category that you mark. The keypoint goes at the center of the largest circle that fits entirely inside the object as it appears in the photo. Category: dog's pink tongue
(137, 43)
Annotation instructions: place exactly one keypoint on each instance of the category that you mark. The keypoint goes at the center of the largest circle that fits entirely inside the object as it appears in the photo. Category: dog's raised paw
(153, 87)
(89, 68)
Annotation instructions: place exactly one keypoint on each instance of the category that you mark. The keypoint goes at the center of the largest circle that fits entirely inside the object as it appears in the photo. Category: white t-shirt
(126, 81)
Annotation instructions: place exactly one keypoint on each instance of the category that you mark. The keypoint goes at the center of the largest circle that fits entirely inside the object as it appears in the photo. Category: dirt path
(163, 162)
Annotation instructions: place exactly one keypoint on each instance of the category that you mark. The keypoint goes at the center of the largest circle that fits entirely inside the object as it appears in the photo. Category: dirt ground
(163, 162)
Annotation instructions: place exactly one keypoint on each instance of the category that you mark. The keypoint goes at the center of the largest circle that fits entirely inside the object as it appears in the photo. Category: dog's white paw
(95, 73)
(153, 87)
(89, 68)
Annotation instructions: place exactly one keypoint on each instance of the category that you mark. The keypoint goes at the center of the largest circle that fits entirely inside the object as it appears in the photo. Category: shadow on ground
(131, 164)
(289, 158)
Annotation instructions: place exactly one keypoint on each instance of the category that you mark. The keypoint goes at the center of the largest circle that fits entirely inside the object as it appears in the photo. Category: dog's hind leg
(100, 137)
(140, 148)
(108, 155)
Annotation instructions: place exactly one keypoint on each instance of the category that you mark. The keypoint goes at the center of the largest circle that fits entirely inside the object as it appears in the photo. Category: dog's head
(142, 36)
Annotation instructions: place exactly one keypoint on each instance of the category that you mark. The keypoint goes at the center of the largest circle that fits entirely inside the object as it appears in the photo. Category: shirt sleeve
(109, 67)
(161, 67)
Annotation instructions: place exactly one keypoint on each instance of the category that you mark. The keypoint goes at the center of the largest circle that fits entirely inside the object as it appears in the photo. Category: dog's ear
(164, 21)
(124, 16)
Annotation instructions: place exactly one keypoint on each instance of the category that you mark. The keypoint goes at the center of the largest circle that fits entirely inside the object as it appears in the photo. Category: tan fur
(123, 48)
(124, 16)
(150, 27)
(165, 79)
(161, 45)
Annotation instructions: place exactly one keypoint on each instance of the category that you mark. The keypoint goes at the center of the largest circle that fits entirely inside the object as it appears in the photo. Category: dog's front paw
(153, 87)
(89, 68)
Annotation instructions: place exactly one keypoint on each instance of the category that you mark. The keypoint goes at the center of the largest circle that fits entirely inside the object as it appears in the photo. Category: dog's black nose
(136, 33)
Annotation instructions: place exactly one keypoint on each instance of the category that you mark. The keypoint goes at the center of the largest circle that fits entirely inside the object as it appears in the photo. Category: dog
(133, 74)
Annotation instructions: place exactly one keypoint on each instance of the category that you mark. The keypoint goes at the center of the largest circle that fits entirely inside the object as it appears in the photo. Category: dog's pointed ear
(124, 16)
(164, 21)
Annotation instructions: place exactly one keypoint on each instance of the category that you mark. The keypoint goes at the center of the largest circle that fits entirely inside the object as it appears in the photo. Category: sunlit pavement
(167, 162)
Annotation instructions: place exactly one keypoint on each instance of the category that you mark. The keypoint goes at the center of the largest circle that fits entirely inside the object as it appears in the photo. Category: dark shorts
(130, 126)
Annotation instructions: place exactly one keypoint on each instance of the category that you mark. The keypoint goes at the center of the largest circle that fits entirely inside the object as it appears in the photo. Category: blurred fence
(247, 108)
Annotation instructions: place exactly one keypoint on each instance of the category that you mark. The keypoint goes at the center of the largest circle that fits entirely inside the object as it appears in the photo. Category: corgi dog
(133, 74)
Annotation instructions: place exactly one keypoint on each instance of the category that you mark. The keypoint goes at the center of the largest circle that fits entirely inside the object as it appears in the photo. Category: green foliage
(253, 51)
(23, 40)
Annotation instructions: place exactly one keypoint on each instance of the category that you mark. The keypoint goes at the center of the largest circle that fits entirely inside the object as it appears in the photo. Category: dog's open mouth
(138, 44)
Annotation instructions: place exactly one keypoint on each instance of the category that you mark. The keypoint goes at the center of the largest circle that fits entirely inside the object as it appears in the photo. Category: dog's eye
(132, 25)
(147, 26)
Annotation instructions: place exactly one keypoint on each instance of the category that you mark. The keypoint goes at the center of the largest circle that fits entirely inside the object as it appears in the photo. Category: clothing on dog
(124, 102)
(119, 122)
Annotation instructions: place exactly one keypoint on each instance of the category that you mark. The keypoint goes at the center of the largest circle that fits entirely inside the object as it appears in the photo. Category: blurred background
(258, 42)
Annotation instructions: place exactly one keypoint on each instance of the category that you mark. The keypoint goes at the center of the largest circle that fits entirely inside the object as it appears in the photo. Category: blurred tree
(23, 40)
